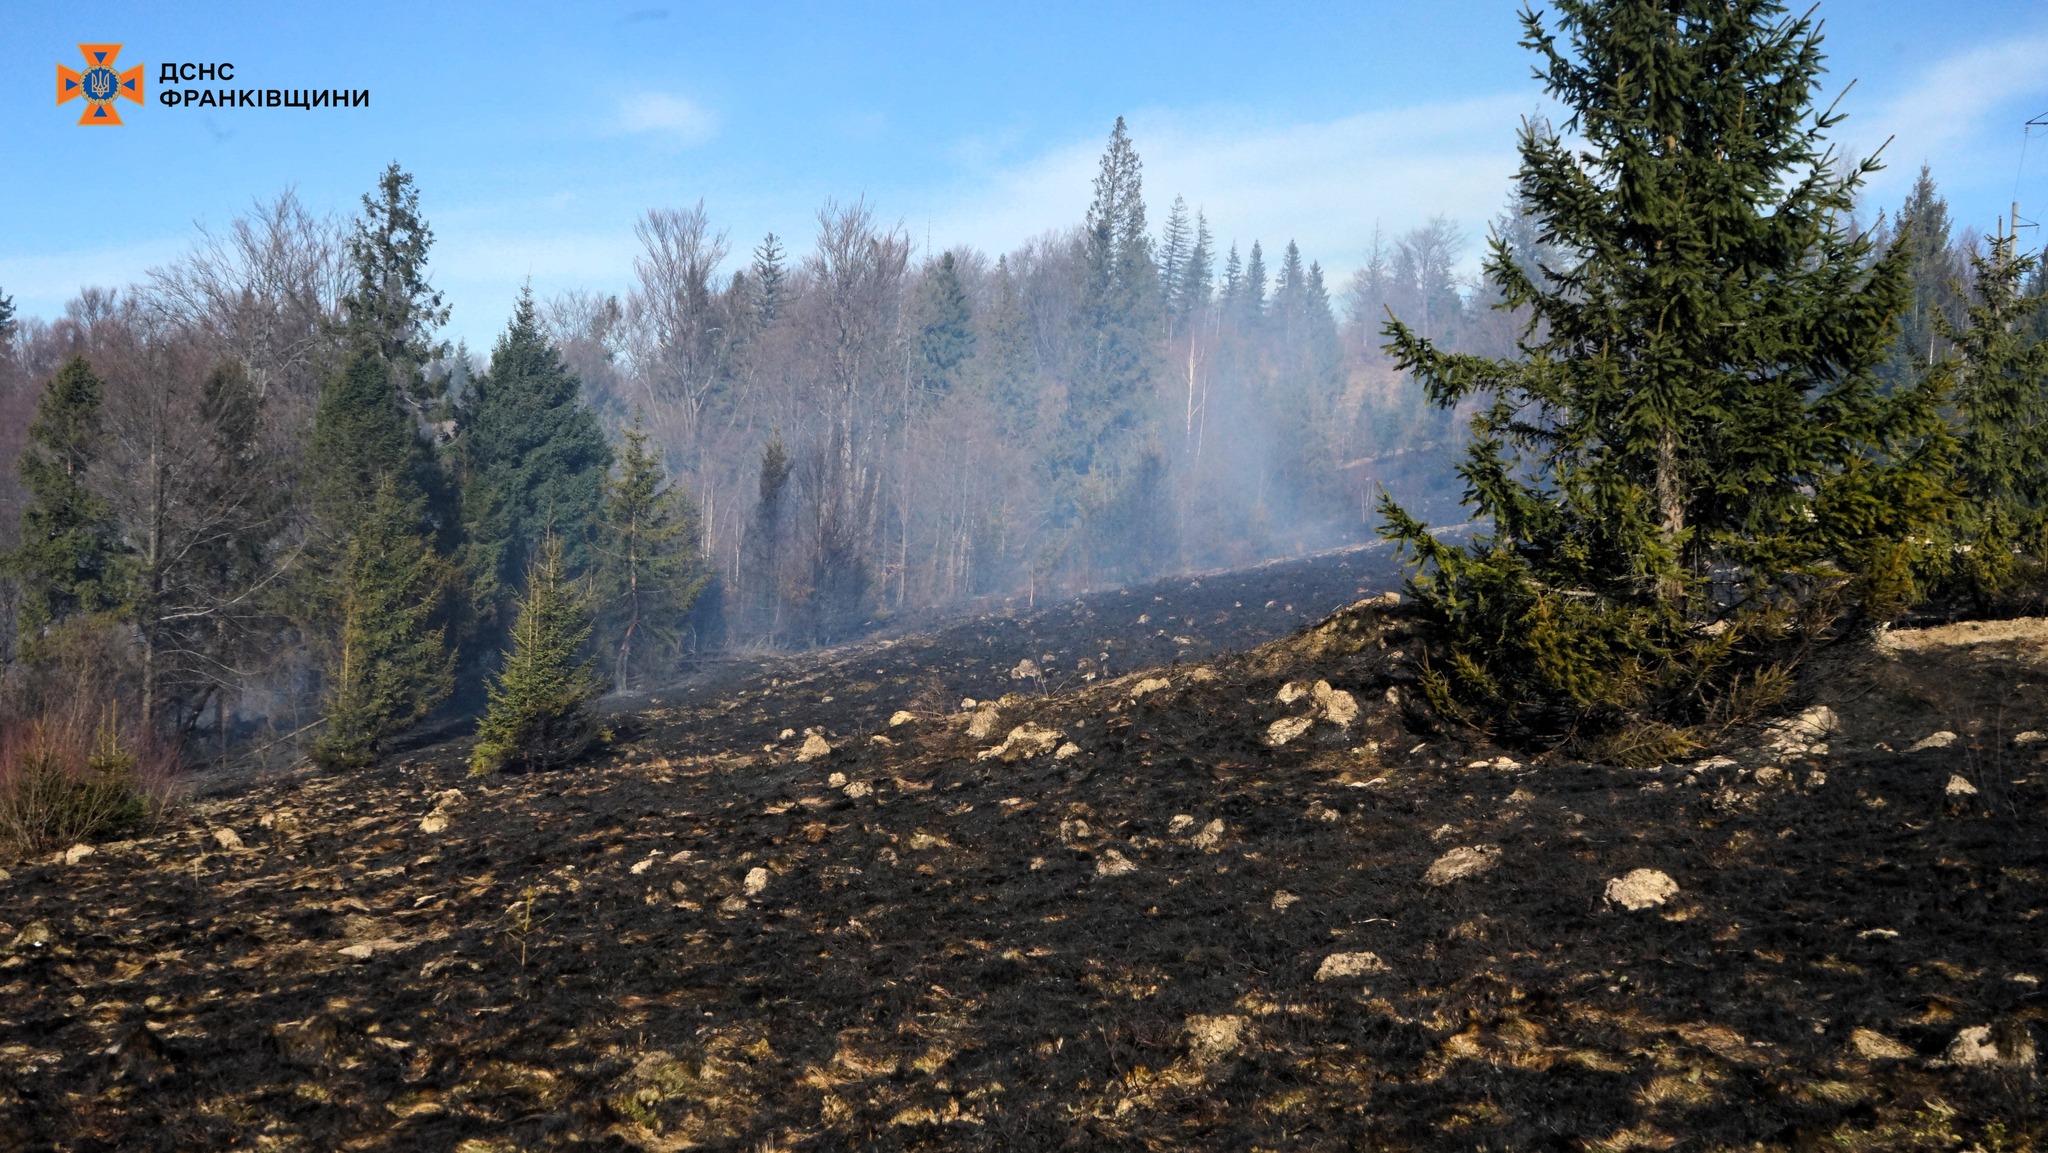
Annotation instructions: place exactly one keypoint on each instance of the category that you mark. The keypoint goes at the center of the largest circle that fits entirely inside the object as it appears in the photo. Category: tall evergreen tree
(1698, 391)
(768, 279)
(391, 305)
(387, 663)
(648, 573)
(1118, 312)
(1174, 243)
(1199, 271)
(1004, 356)
(764, 545)
(532, 460)
(1253, 299)
(945, 334)
(6, 322)
(1934, 272)
(2001, 405)
(1233, 280)
(540, 713)
(360, 437)
(68, 560)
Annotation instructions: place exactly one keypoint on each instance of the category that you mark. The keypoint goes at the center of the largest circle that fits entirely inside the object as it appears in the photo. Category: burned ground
(1099, 913)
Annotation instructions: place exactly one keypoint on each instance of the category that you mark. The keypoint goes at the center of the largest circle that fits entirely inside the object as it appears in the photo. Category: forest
(261, 508)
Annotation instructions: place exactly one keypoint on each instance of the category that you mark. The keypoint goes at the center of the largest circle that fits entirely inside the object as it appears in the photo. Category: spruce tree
(1174, 242)
(767, 281)
(1695, 404)
(2001, 408)
(1118, 312)
(1934, 272)
(532, 461)
(1252, 300)
(1200, 270)
(360, 437)
(68, 559)
(391, 305)
(648, 573)
(540, 712)
(387, 662)
(945, 335)
(1003, 356)
(6, 322)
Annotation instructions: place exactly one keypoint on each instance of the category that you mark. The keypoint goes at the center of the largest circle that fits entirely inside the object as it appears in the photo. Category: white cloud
(1962, 116)
(676, 117)
(1323, 184)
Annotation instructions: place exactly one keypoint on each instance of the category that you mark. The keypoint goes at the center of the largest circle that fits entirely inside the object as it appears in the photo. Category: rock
(1070, 749)
(921, 840)
(1292, 691)
(1872, 1045)
(879, 739)
(364, 950)
(1027, 669)
(1801, 734)
(1940, 740)
(1283, 900)
(1977, 1047)
(836, 781)
(1113, 864)
(1959, 789)
(756, 882)
(1211, 1039)
(446, 802)
(901, 717)
(1202, 675)
(855, 790)
(227, 839)
(36, 935)
(434, 822)
(1210, 837)
(1338, 966)
(983, 724)
(2030, 737)
(5, 876)
(641, 866)
(815, 746)
(76, 853)
(1337, 706)
(1287, 728)
(786, 735)
(1460, 863)
(1024, 742)
(1499, 764)
(1769, 775)
(1641, 889)
(1149, 685)
(967, 704)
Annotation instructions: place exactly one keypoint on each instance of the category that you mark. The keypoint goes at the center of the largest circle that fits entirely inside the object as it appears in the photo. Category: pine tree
(945, 336)
(767, 281)
(391, 305)
(1195, 286)
(1935, 270)
(6, 322)
(648, 573)
(2001, 408)
(540, 713)
(532, 460)
(1252, 302)
(68, 561)
(1004, 356)
(387, 663)
(1118, 312)
(1697, 399)
(1290, 289)
(360, 438)
(1233, 280)
(1174, 242)
(763, 559)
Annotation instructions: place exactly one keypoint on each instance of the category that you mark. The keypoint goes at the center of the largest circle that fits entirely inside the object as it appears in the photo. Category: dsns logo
(98, 84)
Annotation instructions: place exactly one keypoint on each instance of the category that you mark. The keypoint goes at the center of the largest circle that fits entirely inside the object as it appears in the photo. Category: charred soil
(1182, 897)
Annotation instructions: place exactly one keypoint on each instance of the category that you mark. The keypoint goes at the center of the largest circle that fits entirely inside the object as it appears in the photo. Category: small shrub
(62, 782)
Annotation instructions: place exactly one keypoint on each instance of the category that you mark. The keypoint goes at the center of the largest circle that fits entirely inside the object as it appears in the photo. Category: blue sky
(538, 132)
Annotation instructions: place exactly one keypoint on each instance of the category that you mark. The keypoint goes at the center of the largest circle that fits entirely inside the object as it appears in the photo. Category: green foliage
(1691, 453)
(387, 663)
(68, 559)
(540, 714)
(945, 335)
(360, 438)
(56, 791)
(391, 306)
(532, 460)
(647, 573)
(2001, 414)
(1117, 316)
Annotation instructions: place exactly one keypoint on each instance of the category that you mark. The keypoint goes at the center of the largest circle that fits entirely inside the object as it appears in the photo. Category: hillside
(1184, 898)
